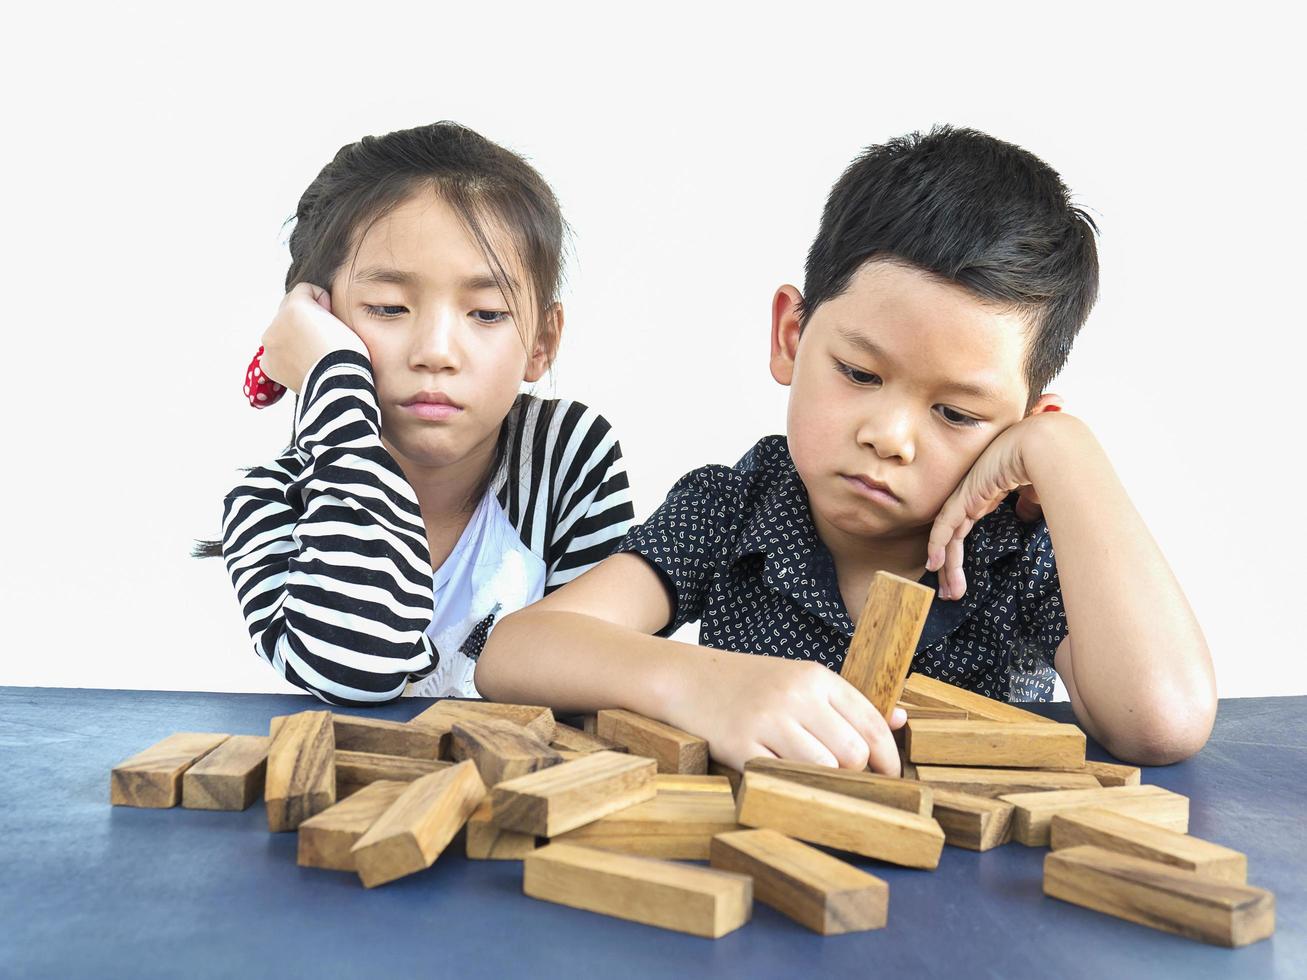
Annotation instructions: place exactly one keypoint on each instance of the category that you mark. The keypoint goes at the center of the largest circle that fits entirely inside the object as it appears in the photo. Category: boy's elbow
(1169, 731)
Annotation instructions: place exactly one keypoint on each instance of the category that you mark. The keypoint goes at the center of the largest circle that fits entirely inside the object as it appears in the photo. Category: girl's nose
(435, 344)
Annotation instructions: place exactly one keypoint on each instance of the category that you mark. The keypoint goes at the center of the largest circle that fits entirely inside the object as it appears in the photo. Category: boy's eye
(489, 316)
(954, 417)
(856, 376)
(386, 312)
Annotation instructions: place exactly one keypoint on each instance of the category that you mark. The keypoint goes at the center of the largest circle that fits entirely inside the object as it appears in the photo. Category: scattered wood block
(569, 739)
(977, 823)
(500, 749)
(1160, 896)
(1000, 782)
(902, 794)
(1130, 835)
(889, 626)
(923, 690)
(813, 888)
(354, 770)
(410, 835)
(440, 717)
(1107, 773)
(327, 838)
(301, 772)
(486, 841)
(153, 777)
(716, 768)
(1034, 811)
(675, 750)
(670, 782)
(835, 820)
(228, 778)
(932, 711)
(589, 724)
(381, 737)
(675, 824)
(564, 797)
(944, 741)
(700, 901)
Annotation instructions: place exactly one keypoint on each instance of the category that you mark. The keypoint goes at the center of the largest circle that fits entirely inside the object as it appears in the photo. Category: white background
(152, 155)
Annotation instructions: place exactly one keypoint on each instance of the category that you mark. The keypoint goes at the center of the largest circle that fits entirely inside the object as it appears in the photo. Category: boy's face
(879, 393)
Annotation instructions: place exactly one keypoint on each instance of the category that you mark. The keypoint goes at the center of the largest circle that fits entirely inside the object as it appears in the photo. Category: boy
(947, 281)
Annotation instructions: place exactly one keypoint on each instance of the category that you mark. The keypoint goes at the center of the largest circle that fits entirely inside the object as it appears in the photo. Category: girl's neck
(446, 493)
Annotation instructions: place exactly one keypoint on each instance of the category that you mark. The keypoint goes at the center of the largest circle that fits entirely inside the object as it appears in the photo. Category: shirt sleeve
(685, 539)
(327, 550)
(1042, 621)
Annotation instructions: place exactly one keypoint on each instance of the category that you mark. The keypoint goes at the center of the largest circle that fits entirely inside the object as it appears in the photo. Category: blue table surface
(90, 889)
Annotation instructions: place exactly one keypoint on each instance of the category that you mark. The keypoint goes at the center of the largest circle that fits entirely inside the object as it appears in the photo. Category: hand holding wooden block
(675, 750)
(153, 777)
(889, 626)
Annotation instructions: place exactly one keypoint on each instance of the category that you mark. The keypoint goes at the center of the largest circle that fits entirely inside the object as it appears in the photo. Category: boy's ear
(785, 328)
(547, 339)
(1048, 402)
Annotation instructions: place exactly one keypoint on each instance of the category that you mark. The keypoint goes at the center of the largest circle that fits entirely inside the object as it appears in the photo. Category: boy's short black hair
(975, 211)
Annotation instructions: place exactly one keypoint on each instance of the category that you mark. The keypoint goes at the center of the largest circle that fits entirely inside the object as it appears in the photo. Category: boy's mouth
(872, 489)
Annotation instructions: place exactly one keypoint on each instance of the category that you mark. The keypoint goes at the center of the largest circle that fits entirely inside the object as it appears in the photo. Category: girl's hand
(748, 706)
(302, 332)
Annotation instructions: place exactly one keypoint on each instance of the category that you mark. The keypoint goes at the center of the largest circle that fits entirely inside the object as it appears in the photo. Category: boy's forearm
(1141, 667)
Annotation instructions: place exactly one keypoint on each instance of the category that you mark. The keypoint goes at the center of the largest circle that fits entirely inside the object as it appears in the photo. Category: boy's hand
(748, 706)
(302, 332)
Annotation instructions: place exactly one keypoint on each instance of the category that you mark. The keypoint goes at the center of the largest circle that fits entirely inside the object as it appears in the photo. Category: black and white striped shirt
(328, 553)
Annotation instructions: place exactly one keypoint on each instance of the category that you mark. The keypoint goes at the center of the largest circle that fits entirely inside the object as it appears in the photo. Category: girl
(422, 292)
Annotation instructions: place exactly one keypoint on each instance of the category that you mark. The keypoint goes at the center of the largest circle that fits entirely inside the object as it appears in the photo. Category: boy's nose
(890, 435)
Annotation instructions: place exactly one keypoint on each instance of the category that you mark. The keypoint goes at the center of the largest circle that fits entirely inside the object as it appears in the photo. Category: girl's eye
(953, 417)
(856, 376)
(490, 316)
(386, 312)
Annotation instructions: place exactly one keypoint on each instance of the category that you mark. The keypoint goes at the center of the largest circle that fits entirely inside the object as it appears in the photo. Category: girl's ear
(1048, 402)
(547, 339)
(785, 327)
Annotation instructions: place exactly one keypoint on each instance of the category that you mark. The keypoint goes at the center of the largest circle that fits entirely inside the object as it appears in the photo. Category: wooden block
(902, 794)
(814, 889)
(589, 724)
(675, 750)
(716, 768)
(486, 841)
(440, 717)
(153, 777)
(1034, 811)
(944, 741)
(564, 797)
(1000, 782)
(835, 820)
(889, 626)
(675, 824)
(569, 739)
(1130, 835)
(923, 690)
(974, 822)
(301, 773)
(326, 839)
(410, 835)
(230, 777)
(671, 782)
(500, 749)
(1107, 773)
(380, 737)
(700, 901)
(1160, 896)
(354, 770)
(932, 711)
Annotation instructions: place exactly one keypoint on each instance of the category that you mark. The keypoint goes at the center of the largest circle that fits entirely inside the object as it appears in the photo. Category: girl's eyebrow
(400, 277)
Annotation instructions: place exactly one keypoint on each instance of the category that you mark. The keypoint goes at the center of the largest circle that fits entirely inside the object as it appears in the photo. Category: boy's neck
(858, 559)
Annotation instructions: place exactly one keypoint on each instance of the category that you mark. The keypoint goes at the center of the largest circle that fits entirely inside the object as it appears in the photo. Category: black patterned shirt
(740, 554)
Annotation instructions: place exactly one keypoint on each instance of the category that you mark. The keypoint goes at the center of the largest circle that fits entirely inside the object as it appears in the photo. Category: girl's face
(422, 297)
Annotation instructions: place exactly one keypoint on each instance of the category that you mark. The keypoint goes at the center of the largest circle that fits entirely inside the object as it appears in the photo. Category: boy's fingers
(897, 719)
(882, 753)
(847, 747)
(795, 742)
(957, 580)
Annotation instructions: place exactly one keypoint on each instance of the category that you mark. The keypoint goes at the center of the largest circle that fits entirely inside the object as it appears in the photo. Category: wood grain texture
(355, 733)
(923, 690)
(999, 782)
(885, 639)
(716, 768)
(1160, 896)
(354, 770)
(153, 777)
(410, 835)
(1130, 835)
(675, 824)
(326, 839)
(440, 717)
(948, 742)
(902, 794)
(1034, 811)
(1107, 773)
(693, 783)
(674, 750)
(301, 771)
(569, 739)
(977, 823)
(835, 820)
(499, 749)
(487, 841)
(813, 888)
(228, 778)
(932, 711)
(682, 897)
(564, 797)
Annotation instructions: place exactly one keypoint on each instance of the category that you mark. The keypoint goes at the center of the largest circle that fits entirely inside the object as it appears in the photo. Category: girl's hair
(486, 185)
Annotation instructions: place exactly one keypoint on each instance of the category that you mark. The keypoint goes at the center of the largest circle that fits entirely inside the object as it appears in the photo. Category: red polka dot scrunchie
(260, 389)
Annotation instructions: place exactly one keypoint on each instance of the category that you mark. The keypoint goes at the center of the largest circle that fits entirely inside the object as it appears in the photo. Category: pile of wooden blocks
(603, 816)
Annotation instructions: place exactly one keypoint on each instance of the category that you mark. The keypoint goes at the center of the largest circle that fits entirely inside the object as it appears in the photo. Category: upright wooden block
(326, 839)
(923, 690)
(977, 823)
(1034, 811)
(440, 717)
(1129, 835)
(153, 777)
(355, 733)
(410, 835)
(228, 778)
(563, 797)
(835, 820)
(1000, 782)
(902, 794)
(700, 901)
(947, 742)
(354, 770)
(675, 824)
(500, 749)
(569, 739)
(889, 626)
(487, 841)
(1160, 896)
(814, 889)
(675, 750)
(301, 773)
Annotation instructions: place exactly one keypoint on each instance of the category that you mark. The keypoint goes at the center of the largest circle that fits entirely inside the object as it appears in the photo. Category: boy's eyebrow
(378, 273)
(872, 349)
